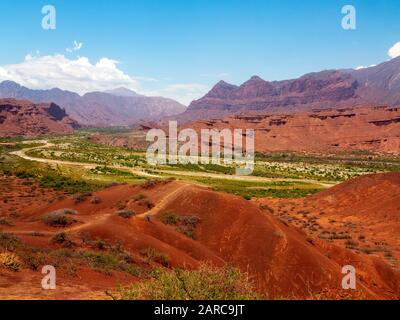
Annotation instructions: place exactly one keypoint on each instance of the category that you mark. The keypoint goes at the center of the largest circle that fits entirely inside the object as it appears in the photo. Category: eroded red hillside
(279, 257)
(24, 118)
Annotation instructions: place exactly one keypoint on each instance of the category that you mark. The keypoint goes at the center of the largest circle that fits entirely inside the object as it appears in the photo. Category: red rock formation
(23, 118)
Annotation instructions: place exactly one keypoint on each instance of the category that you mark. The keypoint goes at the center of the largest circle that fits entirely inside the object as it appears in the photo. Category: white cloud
(78, 75)
(81, 75)
(394, 51)
(76, 47)
(364, 67)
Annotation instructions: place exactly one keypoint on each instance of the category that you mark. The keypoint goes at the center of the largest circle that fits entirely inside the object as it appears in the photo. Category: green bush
(57, 219)
(80, 197)
(59, 238)
(207, 283)
(126, 214)
(169, 217)
(9, 241)
(153, 255)
(184, 224)
(10, 261)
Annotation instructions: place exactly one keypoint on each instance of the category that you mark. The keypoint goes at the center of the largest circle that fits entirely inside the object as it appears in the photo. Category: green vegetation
(9, 241)
(184, 224)
(169, 217)
(111, 257)
(10, 261)
(254, 188)
(207, 283)
(63, 239)
(323, 168)
(279, 175)
(126, 214)
(45, 176)
(117, 261)
(152, 255)
(57, 219)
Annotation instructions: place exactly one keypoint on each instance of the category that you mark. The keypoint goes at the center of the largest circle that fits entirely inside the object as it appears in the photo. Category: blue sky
(181, 48)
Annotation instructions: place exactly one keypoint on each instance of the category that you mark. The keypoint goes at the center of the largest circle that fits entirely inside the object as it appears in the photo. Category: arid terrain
(324, 193)
(200, 151)
(265, 238)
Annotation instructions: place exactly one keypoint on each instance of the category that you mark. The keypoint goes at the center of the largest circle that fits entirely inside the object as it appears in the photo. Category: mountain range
(329, 89)
(378, 85)
(116, 107)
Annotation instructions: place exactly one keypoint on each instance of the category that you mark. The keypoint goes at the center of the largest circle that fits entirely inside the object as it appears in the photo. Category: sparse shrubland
(184, 224)
(206, 283)
(57, 219)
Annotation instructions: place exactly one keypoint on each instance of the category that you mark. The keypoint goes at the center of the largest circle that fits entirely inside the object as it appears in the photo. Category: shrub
(32, 261)
(148, 203)
(106, 261)
(99, 244)
(350, 244)
(4, 221)
(207, 283)
(95, 200)
(66, 211)
(190, 220)
(126, 214)
(153, 255)
(187, 231)
(59, 238)
(9, 241)
(184, 224)
(310, 240)
(10, 261)
(80, 197)
(140, 196)
(170, 217)
(57, 219)
(267, 208)
(150, 184)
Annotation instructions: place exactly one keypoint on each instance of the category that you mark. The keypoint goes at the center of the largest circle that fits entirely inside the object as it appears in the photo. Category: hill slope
(278, 257)
(23, 118)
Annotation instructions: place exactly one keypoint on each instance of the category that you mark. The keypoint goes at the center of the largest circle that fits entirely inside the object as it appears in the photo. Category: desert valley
(78, 194)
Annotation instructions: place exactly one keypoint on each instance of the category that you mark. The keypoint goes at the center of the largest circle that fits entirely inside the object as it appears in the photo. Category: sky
(181, 48)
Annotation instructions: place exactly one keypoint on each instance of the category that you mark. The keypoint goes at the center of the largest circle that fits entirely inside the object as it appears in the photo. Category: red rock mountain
(377, 85)
(24, 118)
(375, 129)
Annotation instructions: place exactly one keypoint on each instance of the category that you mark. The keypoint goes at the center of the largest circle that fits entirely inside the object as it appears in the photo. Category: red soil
(278, 256)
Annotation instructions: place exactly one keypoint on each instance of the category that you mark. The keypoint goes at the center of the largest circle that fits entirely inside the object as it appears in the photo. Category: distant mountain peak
(123, 92)
(120, 106)
(10, 84)
(256, 78)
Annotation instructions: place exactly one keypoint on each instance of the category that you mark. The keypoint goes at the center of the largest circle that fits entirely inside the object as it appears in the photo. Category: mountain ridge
(97, 108)
(335, 88)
